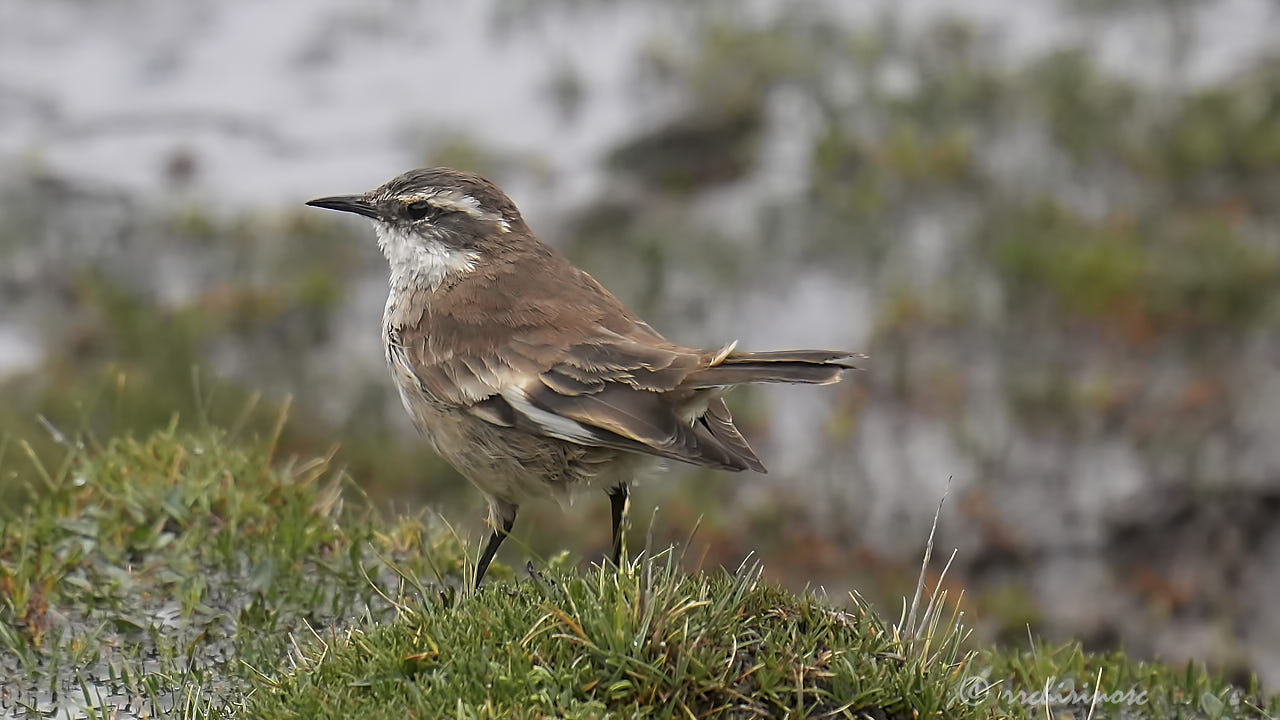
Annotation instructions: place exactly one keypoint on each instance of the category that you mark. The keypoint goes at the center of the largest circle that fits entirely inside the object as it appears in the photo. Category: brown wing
(634, 394)
(555, 354)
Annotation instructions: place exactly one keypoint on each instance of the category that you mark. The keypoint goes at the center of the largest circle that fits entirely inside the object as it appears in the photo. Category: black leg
(507, 513)
(618, 502)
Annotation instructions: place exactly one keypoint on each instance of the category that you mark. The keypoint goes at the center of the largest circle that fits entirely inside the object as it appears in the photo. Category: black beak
(346, 203)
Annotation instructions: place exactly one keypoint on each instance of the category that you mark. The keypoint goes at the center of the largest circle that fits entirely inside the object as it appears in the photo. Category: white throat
(420, 260)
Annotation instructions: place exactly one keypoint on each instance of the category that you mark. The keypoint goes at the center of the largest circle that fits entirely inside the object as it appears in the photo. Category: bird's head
(436, 222)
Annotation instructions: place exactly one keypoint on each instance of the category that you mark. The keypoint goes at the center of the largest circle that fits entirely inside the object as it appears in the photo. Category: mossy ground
(196, 575)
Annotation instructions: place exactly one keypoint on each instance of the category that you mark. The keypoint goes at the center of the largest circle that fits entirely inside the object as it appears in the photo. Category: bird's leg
(618, 501)
(503, 514)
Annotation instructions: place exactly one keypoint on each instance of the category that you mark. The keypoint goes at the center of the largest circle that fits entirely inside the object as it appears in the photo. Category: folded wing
(626, 393)
(618, 384)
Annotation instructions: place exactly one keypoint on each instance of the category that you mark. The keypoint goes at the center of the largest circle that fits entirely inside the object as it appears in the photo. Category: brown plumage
(525, 373)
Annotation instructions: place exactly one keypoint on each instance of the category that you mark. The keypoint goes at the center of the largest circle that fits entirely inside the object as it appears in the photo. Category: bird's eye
(419, 210)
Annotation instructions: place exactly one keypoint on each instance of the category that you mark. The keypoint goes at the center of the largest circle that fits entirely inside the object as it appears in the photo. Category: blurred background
(1053, 224)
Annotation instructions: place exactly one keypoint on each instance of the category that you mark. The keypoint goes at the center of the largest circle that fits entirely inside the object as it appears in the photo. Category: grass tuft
(188, 575)
(647, 641)
(155, 574)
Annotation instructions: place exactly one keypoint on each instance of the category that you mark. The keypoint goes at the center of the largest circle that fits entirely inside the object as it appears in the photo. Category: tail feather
(817, 367)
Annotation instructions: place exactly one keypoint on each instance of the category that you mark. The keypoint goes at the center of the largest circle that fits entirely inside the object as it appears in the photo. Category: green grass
(198, 575)
(645, 642)
(161, 572)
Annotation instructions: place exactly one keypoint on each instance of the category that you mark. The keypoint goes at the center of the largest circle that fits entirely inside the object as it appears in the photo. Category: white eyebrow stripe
(459, 203)
(463, 203)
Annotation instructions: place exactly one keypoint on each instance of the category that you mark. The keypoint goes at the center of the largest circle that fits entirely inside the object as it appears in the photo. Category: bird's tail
(818, 367)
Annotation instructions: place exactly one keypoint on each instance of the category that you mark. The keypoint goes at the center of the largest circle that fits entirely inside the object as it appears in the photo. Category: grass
(198, 575)
(158, 574)
(650, 641)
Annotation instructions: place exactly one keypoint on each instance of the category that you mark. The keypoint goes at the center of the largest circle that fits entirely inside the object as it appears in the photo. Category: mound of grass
(194, 575)
(646, 642)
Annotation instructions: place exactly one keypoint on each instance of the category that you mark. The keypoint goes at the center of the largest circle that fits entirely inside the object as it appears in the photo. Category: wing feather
(555, 354)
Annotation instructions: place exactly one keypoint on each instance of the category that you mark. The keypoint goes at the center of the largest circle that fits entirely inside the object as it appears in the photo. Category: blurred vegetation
(258, 312)
(1179, 275)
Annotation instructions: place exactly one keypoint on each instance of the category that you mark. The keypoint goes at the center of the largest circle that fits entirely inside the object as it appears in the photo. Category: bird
(528, 376)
